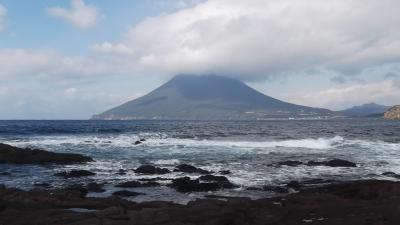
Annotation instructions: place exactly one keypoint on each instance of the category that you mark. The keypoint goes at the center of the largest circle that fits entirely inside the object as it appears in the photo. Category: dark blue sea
(246, 148)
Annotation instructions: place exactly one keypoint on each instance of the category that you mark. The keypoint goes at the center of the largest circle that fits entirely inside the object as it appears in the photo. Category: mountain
(207, 98)
(370, 109)
(393, 113)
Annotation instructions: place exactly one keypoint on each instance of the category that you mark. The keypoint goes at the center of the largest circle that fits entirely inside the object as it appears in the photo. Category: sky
(70, 59)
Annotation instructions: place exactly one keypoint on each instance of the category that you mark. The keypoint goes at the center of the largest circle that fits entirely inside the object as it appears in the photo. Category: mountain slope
(207, 97)
(393, 113)
(365, 110)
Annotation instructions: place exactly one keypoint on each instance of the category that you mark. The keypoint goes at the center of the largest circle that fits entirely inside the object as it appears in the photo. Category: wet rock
(77, 188)
(355, 203)
(75, 173)
(148, 169)
(125, 193)
(138, 142)
(134, 184)
(185, 184)
(11, 154)
(43, 185)
(290, 163)
(185, 168)
(121, 172)
(225, 172)
(95, 187)
(294, 184)
(276, 189)
(333, 163)
(391, 174)
(155, 179)
(5, 174)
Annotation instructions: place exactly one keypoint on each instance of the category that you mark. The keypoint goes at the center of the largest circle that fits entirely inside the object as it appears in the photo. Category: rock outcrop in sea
(393, 113)
(14, 155)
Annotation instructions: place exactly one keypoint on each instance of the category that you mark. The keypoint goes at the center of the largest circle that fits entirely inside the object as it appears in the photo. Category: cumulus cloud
(3, 13)
(80, 14)
(107, 47)
(256, 38)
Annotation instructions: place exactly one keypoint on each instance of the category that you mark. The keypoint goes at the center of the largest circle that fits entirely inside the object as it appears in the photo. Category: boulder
(185, 184)
(225, 172)
(75, 173)
(121, 172)
(125, 193)
(95, 187)
(391, 174)
(134, 184)
(148, 169)
(213, 178)
(333, 163)
(185, 168)
(14, 155)
(290, 163)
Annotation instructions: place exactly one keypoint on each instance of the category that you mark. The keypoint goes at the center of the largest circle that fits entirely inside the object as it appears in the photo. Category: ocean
(246, 148)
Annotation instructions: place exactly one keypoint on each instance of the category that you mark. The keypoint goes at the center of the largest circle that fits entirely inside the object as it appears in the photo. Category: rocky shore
(314, 201)
(356, 202)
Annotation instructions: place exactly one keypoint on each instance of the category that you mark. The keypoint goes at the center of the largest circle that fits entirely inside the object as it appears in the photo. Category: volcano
(209, 97)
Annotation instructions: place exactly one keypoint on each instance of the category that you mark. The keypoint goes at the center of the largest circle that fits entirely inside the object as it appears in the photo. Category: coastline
(355, 202)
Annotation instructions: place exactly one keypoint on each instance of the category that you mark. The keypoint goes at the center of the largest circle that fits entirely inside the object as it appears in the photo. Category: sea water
(246, 148)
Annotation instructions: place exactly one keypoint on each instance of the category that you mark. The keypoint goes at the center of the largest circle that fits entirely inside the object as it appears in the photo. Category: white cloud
(80, 14)
(257, 38)
(384, 92)
(3, 13)
(107, 47)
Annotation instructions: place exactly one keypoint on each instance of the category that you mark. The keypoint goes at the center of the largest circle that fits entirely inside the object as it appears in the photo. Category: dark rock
(294, 184)
(129, 184)
(213, 178)
(254, 189)
(185, 168)
(10, 154)
(148, 169)
(391, 174)
(95, 187)
(121, 172)
(290, 163)
(44, 185)
(138, 142)
(355, 203)
(225, 172)
(277, 189)
(333, 163)
(142, 140)
(125, 193)
(185, 184)
(75, 173)
(155, 179)
(78, 188)
(5, 174)
(134, 184)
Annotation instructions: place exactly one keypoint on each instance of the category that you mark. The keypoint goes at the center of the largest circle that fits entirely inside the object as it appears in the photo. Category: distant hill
(370, 109)
(393, 113)
(207, 98)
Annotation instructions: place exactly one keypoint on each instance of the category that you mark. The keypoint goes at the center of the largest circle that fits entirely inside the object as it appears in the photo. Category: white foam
(167, 162)
(319, 143)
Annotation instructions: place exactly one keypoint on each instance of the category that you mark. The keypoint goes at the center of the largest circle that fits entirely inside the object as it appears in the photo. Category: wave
(160, 140)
